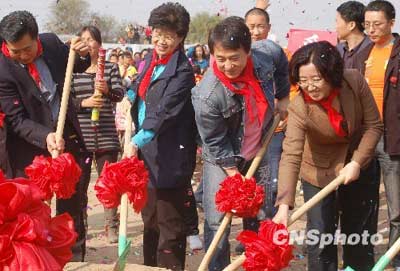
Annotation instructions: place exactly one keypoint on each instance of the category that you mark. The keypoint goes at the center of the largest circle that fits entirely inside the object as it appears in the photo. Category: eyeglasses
(374, 25)
(315, 82)
(166, 37)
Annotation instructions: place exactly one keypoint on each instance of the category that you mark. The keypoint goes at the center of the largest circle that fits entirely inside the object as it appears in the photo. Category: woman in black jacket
(165, 137)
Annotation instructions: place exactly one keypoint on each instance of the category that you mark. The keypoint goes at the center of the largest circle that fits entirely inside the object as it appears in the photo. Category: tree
(108, 26)
(200, 26)
(67, 16)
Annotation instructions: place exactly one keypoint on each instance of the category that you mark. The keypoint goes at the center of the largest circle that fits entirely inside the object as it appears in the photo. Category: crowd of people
(338, 107)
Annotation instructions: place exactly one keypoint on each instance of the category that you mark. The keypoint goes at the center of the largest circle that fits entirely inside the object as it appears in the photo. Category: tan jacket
(311, 147)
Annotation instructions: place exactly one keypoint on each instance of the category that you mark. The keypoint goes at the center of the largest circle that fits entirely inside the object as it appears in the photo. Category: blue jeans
(213, 175)
(390, 167)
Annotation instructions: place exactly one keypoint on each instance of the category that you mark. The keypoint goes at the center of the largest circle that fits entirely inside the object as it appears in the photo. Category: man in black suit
(32, 71)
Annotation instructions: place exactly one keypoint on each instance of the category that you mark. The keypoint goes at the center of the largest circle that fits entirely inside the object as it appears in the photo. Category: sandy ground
(101, 255)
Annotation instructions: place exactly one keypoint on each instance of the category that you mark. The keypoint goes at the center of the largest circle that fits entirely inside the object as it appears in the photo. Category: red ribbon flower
(268, 250)
(67, 173)
(2, 117)
(126, 176)
(59, 175)
(240, 197)
(29, 238)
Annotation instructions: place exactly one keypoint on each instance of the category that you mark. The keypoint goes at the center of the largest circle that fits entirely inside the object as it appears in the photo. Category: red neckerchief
(32, 69)
(335, 118)
(251, 86)
(144, 85)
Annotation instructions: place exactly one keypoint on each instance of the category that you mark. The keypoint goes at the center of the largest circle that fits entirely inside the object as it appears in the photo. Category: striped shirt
(102, 137)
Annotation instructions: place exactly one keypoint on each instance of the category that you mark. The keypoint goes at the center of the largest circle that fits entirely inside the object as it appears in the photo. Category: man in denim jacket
(224, 114)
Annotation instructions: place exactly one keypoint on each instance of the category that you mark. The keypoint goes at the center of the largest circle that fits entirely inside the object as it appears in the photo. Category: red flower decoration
(393, 80)
(269, 250)
(2, 117)
(126, 176)
(241, 197)
(29, 238)
(58, 175)
(67, 173)
(41, 173)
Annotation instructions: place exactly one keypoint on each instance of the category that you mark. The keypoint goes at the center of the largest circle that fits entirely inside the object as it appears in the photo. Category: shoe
(239, 249)
(112, 235)
(195, 242)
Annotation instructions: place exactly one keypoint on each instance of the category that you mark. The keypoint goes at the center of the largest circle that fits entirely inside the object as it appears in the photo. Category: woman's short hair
(94, 32)
(326, 59)
(231, 33)
(172, 16)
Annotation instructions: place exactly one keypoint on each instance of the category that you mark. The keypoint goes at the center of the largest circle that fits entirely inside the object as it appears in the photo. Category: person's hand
(232, 171)
(281, 107)
(79, 47)
(101, 86)
(130, 150)
(93, 101)
(351, 172)
(53, 144)
(262, 4)
(282, 216)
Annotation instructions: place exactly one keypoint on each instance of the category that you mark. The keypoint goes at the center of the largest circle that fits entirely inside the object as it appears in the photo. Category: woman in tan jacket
(333, 128)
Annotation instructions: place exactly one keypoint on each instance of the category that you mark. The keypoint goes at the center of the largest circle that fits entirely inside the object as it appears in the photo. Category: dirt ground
(101, 255)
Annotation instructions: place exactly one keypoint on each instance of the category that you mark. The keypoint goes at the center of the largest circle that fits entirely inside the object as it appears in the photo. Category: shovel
(297, 214)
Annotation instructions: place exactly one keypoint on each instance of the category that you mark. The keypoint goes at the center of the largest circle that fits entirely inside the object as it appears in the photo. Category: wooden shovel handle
(65, 97)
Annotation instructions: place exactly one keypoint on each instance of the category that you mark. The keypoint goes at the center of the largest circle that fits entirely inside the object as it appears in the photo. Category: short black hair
(325, 57)
(16, 24)
(94, 32)
(232, 33)
(382, 5)
(172, 16)
(353, 11)
(257, 11)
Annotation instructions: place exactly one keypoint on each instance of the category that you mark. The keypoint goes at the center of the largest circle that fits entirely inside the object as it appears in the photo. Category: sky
(285, 14)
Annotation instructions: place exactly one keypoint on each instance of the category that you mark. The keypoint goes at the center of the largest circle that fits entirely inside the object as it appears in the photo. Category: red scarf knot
(335, 118)
(250, 87)
(155, 61)
(32, 69)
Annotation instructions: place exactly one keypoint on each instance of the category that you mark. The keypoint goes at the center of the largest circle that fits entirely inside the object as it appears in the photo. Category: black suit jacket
(28, 115)
(171, 156)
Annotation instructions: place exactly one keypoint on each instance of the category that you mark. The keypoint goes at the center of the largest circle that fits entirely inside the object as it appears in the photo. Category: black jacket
(28, 115)
(171, 156)
(391, 95)
(4, 163)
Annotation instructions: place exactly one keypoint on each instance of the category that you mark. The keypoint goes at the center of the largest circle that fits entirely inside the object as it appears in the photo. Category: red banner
(301, 37)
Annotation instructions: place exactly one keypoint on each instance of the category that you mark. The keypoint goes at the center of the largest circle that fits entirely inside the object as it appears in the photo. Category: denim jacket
(219, 111)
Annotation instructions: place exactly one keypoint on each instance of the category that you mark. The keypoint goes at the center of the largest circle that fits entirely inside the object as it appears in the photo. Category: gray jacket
(219, 112)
